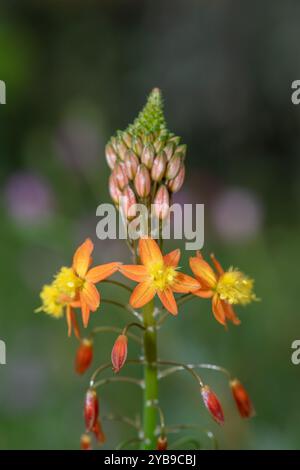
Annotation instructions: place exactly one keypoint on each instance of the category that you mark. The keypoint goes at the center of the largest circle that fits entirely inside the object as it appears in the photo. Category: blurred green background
(76, 72)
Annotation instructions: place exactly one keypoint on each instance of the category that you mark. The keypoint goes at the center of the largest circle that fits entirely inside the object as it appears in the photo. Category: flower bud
(121, 148)
(98, 432)
(128, 201)
(114, 191)
(120, 175)
(119, 353)
(162, 202)
(131, 164)
(175, 140)
(175, 184)
(241, 399)
(137, 145)
(181, 149)
(159, 167)
(142, 182)
(148, 156)
(111, 156)
(159, 145)
(127, 137)
(162, 443)
(84, 356)
(212, 403)
(169, 150)
(173, 167)
(91, 409)
(85, 442)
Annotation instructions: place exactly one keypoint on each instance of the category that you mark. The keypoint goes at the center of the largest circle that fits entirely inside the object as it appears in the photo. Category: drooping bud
(131, 164)
(120, 175)
(91, 409)
(137, 145)
(212, 404)
(128, 201)
(98, 432)
(85, 442)
(148, 155)
(114, 190)
(84, 356)
(162, 202)
(175, 184)
(111, 156)
(174, 166)
(142, 182)
(241, 399)
(162, 443)
(119, 353)
(159, 167)
(169, 150)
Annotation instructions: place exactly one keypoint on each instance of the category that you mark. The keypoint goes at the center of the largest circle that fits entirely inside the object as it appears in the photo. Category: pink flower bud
(159, 167)
(127, 137)
(142, 182)
(175, 184)
(119, 353)
(159, 145)
(162, 202)
(182, 150)
(137, 145)
(175, 139)
(173, 167)
(169, 150)
(111, 156)
(148, 156)
(120, 175)
(114, 191)
(131, 164)
(128, 201)
(121, 148)
(212, 403)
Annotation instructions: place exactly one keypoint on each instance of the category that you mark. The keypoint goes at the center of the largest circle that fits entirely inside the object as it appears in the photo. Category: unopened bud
(162, 443)
(91, 409)
(128, 201)
(120, 175)
(111, 156)
(241, 399)
(85, 442)
(175, 184)
(159, 167)
(162, 202)
(98, 432)
(175, 140)
(127, 137)
(114, 190)
(173, 166)
(182, 150)
(212, 404)
(119, 353)
(169, 150)
(148, 156)
(131, 164)
(121, 148)
(159, 145)
(142, 182)
(137, 145)
(84, 356)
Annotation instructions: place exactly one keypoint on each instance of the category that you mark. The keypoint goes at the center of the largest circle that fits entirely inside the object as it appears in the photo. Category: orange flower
(75, 287)
(157, 275)
(224, 287)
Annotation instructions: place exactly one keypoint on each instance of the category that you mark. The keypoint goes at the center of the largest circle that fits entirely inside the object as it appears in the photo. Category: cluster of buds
(146, 162)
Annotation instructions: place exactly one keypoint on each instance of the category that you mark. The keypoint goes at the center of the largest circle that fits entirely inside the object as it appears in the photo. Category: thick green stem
(150, 376)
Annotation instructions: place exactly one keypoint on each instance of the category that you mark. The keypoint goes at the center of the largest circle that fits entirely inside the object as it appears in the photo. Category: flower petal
(230, 314)
(184, 284)
(135, 272)
(90, 295)
(172, 258)
(149, 251)
(142, 294)
(218, 310)
(217, 265)
(72, 322)
(81, 259)
(168, 300)
(204, 293)
(98, 273)
(203, 272)
(85, 311)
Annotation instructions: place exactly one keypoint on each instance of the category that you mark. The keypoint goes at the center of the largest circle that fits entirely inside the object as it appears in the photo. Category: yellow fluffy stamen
(162, 276)
(236, 288)
(51, 302)
(68, 283)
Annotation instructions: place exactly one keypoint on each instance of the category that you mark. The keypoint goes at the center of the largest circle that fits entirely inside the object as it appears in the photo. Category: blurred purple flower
(237, 214)
(28, 198)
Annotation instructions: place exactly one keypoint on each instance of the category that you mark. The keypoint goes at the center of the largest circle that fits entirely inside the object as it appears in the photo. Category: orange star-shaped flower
(157, 275)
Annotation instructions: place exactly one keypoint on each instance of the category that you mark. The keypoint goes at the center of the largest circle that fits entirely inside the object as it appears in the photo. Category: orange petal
(229, 312)
(81, 259)
(172, 258)
(204, 293)
(98, 273)
(203, 272)
(90, 295)
(142, 294)
(72, 322)
(149, 251)
(218, 310)
(184, 284)
(135, 272)
(168, 300)
(85, 311)
(217, 265)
